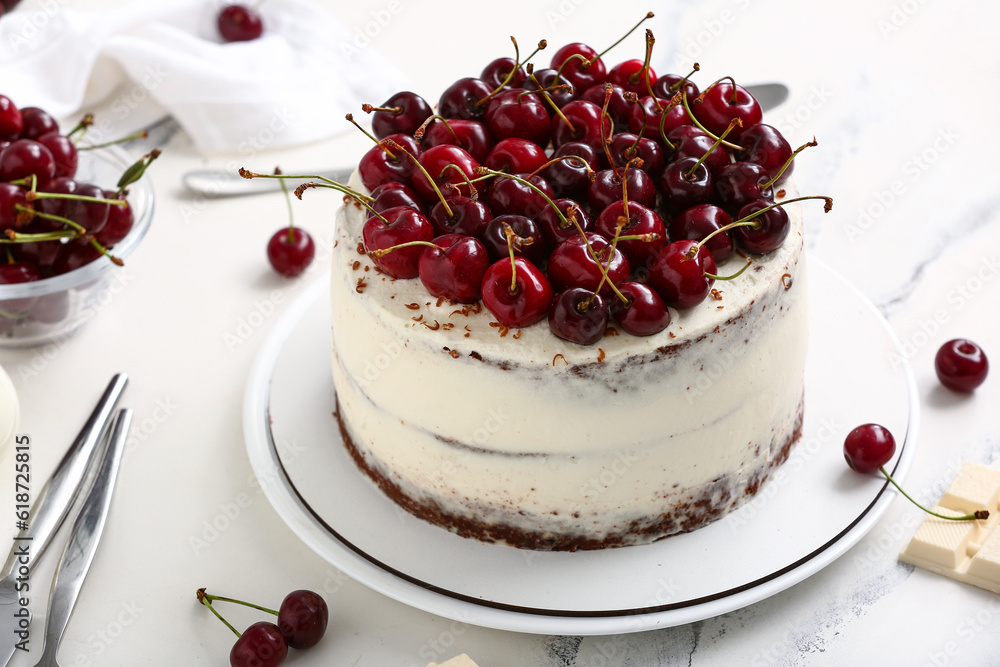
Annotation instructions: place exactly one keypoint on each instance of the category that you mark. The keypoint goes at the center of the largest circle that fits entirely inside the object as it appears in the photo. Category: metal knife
(223, 183)
(79, 552)
(47, 514)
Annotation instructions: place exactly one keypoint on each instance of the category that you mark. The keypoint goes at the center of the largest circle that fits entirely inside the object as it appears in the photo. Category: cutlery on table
(47, 514)
(78, 554)
(223, 183)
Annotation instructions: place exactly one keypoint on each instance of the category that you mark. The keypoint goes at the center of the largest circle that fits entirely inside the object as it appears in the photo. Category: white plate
(812, 511)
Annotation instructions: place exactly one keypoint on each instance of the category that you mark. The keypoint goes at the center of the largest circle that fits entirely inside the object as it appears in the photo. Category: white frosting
(526, 423)
(9, 411)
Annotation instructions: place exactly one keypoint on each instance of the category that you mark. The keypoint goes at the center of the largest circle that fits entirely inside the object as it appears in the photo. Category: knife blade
(223, 183)
(85, 537)
(46, 515)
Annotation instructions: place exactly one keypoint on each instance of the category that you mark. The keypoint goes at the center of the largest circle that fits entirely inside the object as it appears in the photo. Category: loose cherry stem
(350, 118)
(788, 162)
(978, 514)
(203, 596)
(734, 123)
(204, 599)
(416, 162)
(687, 107)
(648, 16)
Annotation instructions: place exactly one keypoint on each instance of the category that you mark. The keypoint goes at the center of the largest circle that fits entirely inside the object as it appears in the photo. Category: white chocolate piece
(967, 551)
(458, 661)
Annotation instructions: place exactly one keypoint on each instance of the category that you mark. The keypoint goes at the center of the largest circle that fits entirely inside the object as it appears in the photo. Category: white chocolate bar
(968, 551)
(458, 661)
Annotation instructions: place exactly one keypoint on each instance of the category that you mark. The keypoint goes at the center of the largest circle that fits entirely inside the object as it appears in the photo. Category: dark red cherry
(569, 178)
(572, 265)
(74, 255)
(632, 76)
(668, 85)
(455, 273)
(25, 157)
(63, 152)
(401, 225)
(436, 161)
(651, 113)
(684, 185)
(619, 108)
(260, 645)
(515, 156)
(869, 447)
(961, 365)
(513, 196)
(15, 273)
(515, 113)
(11, 121)
(691, 141)
(461, 99)
(680, 280)
(723, 102)
(579, 316)
(468, 217)
(382, 164)
(583, 72)
(239, 23)
(740, 183)
(302, 618)
(393, 194)
(290, 251)
(554, 229)
(769, 231)
(548, 78)
(641, 220)
(766, 146)
(37, 122)
(470, 135)
(697, 222)
(528, 301)
(402, 113)
(64, 208)
(120, 222)
(645, 314)
(584, 125)
(607, 188)
(12, 197)
(626, 146)
(530, 243)
(497, 71)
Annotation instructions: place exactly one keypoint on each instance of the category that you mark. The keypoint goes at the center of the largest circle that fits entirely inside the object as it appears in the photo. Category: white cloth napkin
(291, 86)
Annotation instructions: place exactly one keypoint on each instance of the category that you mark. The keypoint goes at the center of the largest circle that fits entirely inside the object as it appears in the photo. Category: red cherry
(393, 194)
(961, 365)
(579, 76)
(25, 157)
(739, 183)
(645, 314)
(455, 273)
(626, 146)
(386, 165)
(549, 79)
(572, 265)
(508, 195)
(684, 185)
(697, 222)
(15, 273)
(723, 102)
(260, 645)
(515, 156)
(554, 229)
(496, 72)
(11, 197)
(238, 23)
(532, 247)
(584, 125)
(302, 618)
(63, 152)
(679, 280)
(120, 222)
(668, 85)
(402, 113)
(290, 251)
(37, 122)
(436, 161)
(468, 134)
(869, 447)
(514, 114)
(641, 220)
(771, 232)
(527, 303)
(619, 108)
(579, 316)
(629, 75)
(11, 121)
(766, 146)
(607, 188)
(570, 178)
(404, 225)
(461, 99)
(468, 217)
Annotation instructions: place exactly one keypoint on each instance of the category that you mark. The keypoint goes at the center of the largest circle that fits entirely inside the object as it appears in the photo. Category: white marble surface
(902, 98)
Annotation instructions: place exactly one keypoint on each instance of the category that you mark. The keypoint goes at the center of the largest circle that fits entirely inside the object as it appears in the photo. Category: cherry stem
(382, 252)
(288, 204)
(20, 237)
(721, 230)
(590, 172)
(141, 134)
(788, 163)
(206, 600)
(828, 206)
(136, 171)
(978, 514)
(648, 16)
(548, 99)
(80, 230)
(32, 195)
(433, 183)
(650, 40)
(509, 233)
(85, 122)
(683, 81)
(697, 123)
(732, 277)
(418, 134)
(507, 79)
(736, 122)
(593, 255)
(502, 174)
(327, 182)
(350, 118)
(674, 101)
(473, 191)
(395, 111)
(712, 85)
(606, 139)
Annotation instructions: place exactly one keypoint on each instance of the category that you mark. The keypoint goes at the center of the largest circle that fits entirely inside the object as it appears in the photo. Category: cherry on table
(290, 251)
(260, 645)
(302, 618)
(239, 23)
(961, 365)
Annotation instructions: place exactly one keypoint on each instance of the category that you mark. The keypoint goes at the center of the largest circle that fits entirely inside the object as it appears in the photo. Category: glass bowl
(47, 310)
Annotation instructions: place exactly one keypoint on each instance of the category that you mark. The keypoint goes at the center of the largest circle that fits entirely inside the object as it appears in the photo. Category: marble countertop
(901, 98)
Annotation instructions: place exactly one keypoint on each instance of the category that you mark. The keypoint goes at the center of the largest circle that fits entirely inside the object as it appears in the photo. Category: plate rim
(295, 511)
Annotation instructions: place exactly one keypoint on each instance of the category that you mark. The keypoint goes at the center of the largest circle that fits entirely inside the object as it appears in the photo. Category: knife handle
(78, 554)
(56, 497)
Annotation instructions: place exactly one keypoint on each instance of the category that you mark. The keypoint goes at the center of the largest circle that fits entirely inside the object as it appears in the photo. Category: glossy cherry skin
(384, 164)
(579, 316)
(548, 78)
(435, 161)
(37, 122)
(470, 135)
(405, 225)
(626, 146)
(723, 102)
(607, 188)
(512, 196)
(668, 85)
(629, 75)
(12, 197)
(15, 273)
(261, 645)
(581, 77)
(554, 229)
(619, 108)
(460, 99)
(529, 301)
(681, 281)
(11, 121)
(740, 183)
(290, 251)
(302, 618)
(119, 224)
(533, 246)
(572, 265)
(645, 314)
(515, 156)
(63, 152)
(587, 127)
(770, 230)
(468, 216)
(570, 178)
(766, 146)
(961, 365)
(869, 447)
(63, 208)
(513, 113)
(648, 115)
(238, 23)
(497, 71)
(697, 222)
(393, 194)
(691, 141)
(641, 220)
(455, 273)
(74, 255)
(25, 157)
(92, 216)
(406, 112)
(683, 185)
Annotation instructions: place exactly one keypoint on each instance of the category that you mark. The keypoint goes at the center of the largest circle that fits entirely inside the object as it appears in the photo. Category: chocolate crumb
(413, 306)
(786, 280)
(611, 332)
(475, 355)
(361, 248)
(418, 318)
(716, 294)
(671, 334)
(356, 265)
(517, 335)
(600, 355)
(780, 193)
(361, 286)
(559, 356)
(433, 327)
(447, 326)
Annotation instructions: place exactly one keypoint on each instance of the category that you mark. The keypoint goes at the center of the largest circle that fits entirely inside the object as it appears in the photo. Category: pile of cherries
(50, 223)
(301, 623)
(575, 192)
